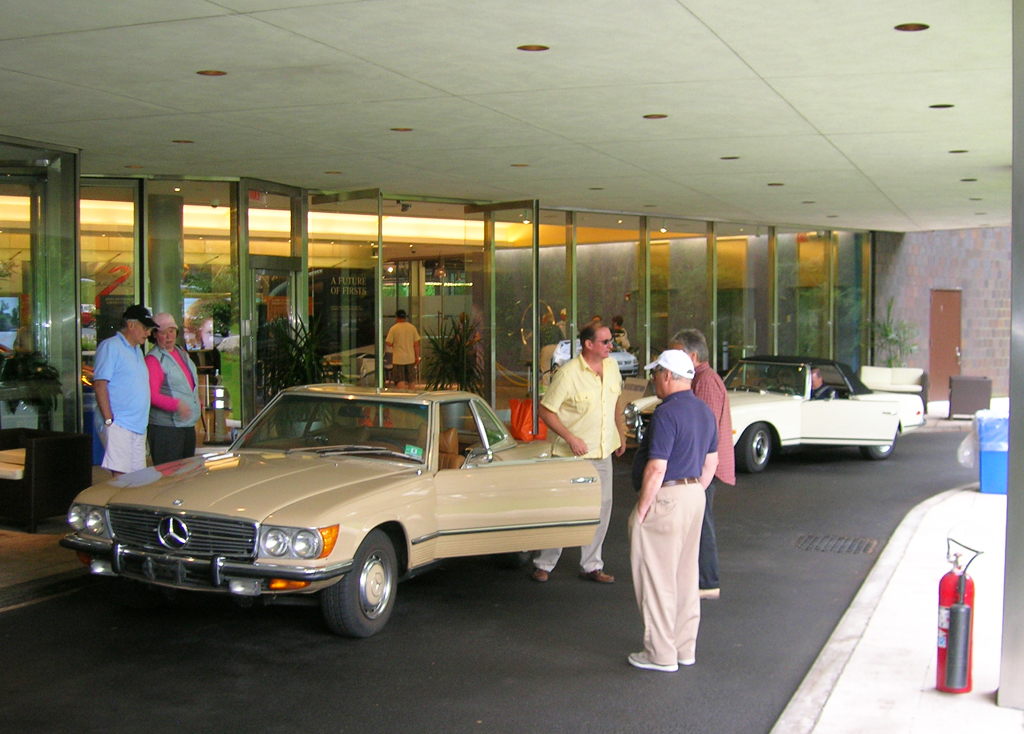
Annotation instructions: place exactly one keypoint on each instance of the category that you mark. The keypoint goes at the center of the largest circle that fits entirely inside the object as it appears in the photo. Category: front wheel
(360, 604)
(878, 453)
(754, 448)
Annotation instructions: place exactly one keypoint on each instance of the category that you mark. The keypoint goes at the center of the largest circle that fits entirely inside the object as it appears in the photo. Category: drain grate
(836, 544)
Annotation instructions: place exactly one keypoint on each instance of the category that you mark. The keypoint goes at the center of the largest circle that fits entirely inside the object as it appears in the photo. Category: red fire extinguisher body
(956, 634)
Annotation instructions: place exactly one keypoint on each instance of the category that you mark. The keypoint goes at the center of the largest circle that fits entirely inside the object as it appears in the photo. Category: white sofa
(893, 379)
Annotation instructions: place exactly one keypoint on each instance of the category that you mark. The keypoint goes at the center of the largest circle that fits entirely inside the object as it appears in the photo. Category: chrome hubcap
(374, 586)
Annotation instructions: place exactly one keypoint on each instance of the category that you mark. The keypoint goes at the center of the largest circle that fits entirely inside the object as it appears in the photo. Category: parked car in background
(629, 365)
(330, 496)
(772, 409)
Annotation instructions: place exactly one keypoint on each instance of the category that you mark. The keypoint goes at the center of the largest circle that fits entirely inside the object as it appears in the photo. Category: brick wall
(976, 261)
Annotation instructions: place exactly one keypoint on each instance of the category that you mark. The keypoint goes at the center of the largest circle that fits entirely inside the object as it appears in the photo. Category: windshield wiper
(359, 449)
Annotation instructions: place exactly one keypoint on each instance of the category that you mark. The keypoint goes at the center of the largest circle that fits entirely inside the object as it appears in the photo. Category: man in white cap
(679, 455)
(173, 394)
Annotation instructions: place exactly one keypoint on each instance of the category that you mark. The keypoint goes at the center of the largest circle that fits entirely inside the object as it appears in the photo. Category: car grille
(208, 536)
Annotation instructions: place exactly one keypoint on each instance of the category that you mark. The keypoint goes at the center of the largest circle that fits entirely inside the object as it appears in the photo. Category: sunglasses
(605, 341)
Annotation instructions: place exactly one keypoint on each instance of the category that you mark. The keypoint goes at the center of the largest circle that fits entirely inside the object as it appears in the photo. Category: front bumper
(217, 573)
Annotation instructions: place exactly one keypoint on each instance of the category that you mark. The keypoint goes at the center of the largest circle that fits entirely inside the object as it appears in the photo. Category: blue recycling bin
(993, 451)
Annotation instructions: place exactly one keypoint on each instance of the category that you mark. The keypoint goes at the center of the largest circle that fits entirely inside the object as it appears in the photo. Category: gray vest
(175, 385)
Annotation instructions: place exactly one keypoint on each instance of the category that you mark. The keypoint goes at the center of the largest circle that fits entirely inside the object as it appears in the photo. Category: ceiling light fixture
(520, 165)
(211, 72)
(975, 198)
(939, 106)
(183, 142)
(177, 188)
(649, 206)
(333, 173)
(833, 216)
(959, 151)
(968, 180)
(533, 47)
(911, 27)
(655, 117)
(663, 230)
(597, 188)
(133, 166)
(729, 158)
(980, 214)
(808, 202)
(776, 184)
(401, 129)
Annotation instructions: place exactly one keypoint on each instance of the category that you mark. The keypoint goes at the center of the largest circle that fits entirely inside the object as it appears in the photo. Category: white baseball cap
(674, 360)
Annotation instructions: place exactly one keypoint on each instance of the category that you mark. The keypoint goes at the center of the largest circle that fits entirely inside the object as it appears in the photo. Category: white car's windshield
(788, 379)
(353, 426)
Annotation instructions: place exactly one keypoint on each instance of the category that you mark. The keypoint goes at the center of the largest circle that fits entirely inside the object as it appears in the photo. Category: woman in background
(174, 395)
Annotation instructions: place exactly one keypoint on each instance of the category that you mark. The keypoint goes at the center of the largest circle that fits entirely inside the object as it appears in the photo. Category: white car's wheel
(754, 448)
(878, 453)
(360, 604)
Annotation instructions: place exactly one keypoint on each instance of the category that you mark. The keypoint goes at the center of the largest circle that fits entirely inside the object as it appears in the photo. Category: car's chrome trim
(218, 567)
(503, 529)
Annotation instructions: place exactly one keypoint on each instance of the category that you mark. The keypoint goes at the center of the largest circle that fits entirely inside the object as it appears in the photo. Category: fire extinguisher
(956, 625)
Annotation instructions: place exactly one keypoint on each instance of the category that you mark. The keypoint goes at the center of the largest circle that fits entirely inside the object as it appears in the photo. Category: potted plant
(292, 356)
(894, 340)
(454, 359)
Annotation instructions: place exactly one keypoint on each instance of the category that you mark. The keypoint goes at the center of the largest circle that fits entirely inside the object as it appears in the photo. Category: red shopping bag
(522, 421)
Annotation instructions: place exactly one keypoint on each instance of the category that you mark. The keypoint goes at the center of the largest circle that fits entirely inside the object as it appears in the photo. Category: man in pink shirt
(708, 386)
(173, 395)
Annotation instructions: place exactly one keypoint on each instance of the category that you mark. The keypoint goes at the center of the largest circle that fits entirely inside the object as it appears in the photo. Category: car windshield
(788, 379)
(331, 426)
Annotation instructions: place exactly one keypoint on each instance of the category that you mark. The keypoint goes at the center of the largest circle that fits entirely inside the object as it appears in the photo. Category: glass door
(272, 283)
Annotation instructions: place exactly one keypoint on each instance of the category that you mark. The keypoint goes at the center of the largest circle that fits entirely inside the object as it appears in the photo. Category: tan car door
(506, 502)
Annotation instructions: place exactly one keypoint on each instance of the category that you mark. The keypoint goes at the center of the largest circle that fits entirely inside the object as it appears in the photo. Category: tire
(360, 604)
(512, 561)
(879, 453)
(754, 448)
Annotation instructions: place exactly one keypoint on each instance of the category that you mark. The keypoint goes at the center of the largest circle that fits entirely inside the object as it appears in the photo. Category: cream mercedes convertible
(333, 494)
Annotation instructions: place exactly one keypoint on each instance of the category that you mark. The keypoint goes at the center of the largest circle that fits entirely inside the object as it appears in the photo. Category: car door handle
(583, 480)
(889, 412)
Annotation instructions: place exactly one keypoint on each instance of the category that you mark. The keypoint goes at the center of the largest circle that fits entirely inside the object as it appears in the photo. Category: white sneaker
(687, 661)
(710, 593)
(640, 660)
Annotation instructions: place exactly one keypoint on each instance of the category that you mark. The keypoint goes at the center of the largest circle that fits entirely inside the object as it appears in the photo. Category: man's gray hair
(691, 340)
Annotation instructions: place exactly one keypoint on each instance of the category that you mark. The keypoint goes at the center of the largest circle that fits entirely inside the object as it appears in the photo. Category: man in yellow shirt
(581, 408)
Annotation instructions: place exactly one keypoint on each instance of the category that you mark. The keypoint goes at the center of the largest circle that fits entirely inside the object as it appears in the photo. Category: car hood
(252, 485)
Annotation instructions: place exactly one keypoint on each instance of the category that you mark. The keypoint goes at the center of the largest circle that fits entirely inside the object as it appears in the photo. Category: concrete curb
(803, 710)
(30, 592)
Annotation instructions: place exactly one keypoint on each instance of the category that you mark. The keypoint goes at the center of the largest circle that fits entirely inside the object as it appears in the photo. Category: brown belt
(674, 482)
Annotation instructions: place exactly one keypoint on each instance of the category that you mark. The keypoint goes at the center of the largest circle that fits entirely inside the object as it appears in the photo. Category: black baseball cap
(140, 313)
(400, 313)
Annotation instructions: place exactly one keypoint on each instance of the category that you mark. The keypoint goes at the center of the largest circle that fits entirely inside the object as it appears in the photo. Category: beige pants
(663, 552)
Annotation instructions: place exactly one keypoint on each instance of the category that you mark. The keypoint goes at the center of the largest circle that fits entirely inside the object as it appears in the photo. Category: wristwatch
(108, 421)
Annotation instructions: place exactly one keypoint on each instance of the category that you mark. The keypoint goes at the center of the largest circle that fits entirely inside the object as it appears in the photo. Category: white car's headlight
(306, 544)
(76, 517)
(95, 521)
(299, 543)
(632, 416)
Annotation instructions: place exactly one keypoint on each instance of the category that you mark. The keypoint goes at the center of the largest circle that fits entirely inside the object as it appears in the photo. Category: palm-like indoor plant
(292, 356)
(454, 360)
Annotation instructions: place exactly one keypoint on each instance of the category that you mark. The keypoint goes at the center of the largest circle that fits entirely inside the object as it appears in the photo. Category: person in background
(581, 408)
(404, 342)
(173, 393)
(121, 382)
(563, 325)
(708, 386)
(619, 333)
(819, 390)
(675, 462)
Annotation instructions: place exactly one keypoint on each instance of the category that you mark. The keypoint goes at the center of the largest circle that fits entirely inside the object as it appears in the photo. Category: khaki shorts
(126, 451)
(403, 372)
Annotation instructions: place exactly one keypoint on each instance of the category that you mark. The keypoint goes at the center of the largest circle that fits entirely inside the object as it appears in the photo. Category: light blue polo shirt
(124, 368)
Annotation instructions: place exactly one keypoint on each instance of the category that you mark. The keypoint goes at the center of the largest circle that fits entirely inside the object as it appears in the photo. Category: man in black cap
(121, 382)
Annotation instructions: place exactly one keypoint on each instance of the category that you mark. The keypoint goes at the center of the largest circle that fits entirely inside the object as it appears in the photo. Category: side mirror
(480, 455)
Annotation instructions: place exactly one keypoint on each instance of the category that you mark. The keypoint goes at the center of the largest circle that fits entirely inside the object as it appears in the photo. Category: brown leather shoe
(539, 574)
(599, 576)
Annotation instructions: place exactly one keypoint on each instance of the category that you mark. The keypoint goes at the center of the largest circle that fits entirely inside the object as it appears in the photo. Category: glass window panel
(853, 262)
(802, 293)
(107, 214)
(610, 273)
(270, 224)
(743, 292)
(514, 318)
(554, 323)
(679, 262)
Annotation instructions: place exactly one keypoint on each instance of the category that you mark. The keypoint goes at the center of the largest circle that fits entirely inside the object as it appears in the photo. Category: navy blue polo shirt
(682, 432)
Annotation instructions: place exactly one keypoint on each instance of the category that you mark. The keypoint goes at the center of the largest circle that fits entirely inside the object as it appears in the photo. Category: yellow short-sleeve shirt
(586, 405)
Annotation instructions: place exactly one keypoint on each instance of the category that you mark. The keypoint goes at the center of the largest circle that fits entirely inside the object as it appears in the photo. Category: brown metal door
(943, 343)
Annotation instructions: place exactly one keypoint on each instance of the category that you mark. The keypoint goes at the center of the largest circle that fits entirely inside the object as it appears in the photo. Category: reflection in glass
(853, 268)
(803, 290)
(679, 280)
(743, 292)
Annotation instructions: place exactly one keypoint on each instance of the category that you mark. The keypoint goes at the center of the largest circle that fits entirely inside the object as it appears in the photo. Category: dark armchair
(57, 466)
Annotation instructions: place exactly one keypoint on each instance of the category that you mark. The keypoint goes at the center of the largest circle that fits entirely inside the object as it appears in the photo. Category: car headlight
(76, 517)
(276, 542)
(632, 416)
(306, 544)
(95, 521)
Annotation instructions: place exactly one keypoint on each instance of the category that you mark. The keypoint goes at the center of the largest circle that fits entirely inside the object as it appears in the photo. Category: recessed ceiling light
(729, 158)
(532, 47)
(968, 180)
(183, 142)
(649, 206)
(959, 151)
(776, 184)
(526, 221)
(980, 214)
(211, 72)
(401, 129)
(333, 173)
(133, 166)
(975, 198)
(833, 216)
(177, 188)
(520, 165)
(911, 27)
(655, 117)
(663, 230)
(620, 221)
(597, 188)
(939, 106)
(807, 202)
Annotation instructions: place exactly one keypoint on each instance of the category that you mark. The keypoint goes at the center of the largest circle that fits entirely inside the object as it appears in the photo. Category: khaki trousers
(663, 553)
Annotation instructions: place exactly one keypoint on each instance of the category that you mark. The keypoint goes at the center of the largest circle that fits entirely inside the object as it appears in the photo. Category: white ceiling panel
(27, 18)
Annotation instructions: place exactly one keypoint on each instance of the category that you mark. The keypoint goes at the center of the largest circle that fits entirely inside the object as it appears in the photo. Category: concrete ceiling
(823, 97)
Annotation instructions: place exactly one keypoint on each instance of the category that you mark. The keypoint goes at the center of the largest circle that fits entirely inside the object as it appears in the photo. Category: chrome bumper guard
(188, 572)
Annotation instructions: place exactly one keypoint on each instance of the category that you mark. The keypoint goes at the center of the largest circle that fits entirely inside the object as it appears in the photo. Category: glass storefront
(744, 292)
(680, 284)
(804, 263)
